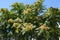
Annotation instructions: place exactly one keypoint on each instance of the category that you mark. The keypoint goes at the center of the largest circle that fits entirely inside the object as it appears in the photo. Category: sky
(47, 3)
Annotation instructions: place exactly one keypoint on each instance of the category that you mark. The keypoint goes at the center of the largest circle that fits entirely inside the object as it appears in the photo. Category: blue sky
(47, 3)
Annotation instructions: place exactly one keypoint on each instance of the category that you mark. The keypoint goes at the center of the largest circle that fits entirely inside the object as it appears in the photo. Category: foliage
(24, 22)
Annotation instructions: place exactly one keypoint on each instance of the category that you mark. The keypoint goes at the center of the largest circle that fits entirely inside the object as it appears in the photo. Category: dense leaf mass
(27, 22)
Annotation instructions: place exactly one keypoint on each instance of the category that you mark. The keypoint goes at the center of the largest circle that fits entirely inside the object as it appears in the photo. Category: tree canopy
(27, 22)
